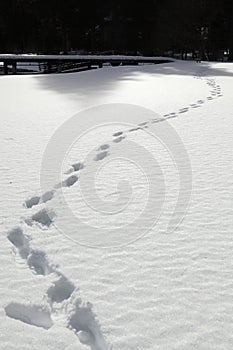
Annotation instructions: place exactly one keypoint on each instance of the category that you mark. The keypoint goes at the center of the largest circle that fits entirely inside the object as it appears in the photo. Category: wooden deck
(65, 63)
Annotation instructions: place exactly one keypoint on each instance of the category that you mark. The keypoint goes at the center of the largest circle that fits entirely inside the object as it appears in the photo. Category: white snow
(146, 289)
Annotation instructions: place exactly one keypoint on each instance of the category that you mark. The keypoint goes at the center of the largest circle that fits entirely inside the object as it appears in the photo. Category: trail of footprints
(103, 152)
(61, 294)
(61, 298)
(215, 92)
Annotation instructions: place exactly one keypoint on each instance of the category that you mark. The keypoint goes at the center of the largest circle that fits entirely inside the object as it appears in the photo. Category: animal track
(37, 261)
(18, 239)
(101, 156)
(30, 314)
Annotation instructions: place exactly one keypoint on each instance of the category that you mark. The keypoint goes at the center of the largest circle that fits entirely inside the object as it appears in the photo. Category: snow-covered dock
(62, 63)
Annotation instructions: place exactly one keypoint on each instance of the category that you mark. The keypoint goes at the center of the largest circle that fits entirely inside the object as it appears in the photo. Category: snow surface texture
(161, 292)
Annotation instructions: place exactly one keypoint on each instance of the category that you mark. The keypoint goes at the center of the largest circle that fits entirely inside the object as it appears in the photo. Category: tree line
(149, 27)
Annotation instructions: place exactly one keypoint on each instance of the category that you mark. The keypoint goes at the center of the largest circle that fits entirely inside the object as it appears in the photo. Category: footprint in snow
(101, 156)
(143, 124)
(20, 241)
(47, 196)
(135, 129)
(103, 147)
(158, 120)
(116, 134)
(34, 315)
(75, 167)
(83, 323)
(37, 261)
(171, 115)
(119, 139)
(42, 217)
(31, 202)
(183, 110)
(70, 181)
(60, 290)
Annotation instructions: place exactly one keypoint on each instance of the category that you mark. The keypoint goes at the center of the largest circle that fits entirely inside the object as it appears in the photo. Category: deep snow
(160, 291)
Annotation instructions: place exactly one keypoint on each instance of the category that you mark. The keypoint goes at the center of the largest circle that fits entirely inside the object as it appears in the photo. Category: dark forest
(150, 27)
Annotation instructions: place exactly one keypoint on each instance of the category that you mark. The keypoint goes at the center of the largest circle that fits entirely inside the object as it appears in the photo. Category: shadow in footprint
(70, 181)
(135, 129)
(101, 156)
(29, 203)
(116, 134)
(77, 166)
(42, 217)
(82, 321)
(47, 196)
(37, 261)
(103, 147)
(172, 115)
(20, 241)
(60, 290)
(119, 139)
(183, 110)
(159, 120)
(30, 314)
(143, 124)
